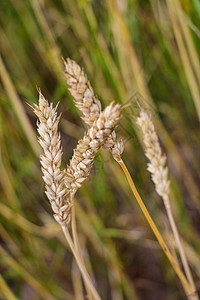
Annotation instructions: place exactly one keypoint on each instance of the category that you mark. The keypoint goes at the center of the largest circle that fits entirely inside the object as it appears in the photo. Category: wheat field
(142, 55)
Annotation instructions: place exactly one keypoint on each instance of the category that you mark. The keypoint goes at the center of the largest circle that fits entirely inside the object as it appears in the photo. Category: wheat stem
(180, 247)
(77, 244)
(156, 232)
(84, 272)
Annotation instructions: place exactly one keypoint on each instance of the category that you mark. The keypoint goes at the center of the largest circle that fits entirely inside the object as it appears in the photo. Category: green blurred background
(132, 51)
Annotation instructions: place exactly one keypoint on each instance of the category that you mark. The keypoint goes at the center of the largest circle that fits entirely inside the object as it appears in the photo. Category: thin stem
(80, 265)
(179, 245)
(157, 233)
(77, 245)
(5, 290)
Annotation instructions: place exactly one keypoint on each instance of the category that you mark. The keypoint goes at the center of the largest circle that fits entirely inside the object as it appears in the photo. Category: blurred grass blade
(53, 50)
(194, 88)
(18, 107)
(6, 291)
(189, 42)
(25, 275)
(19, 220)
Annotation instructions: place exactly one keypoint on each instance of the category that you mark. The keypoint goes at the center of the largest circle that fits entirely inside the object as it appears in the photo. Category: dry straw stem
(77, 282)
(77, 244)
(159, 173)
(88, 103)
(184, 55)
(81, 266)
(61, 185)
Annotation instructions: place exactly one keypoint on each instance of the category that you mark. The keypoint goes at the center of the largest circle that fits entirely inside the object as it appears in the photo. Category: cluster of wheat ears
(61, 185)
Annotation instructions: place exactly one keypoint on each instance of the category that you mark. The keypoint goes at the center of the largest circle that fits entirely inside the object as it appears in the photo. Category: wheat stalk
(80, 264)
(87, 103)
(56, 190)
(159, 173)
(62, 185)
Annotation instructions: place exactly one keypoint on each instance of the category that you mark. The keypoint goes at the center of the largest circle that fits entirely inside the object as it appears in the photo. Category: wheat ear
(56, 191)
(82, 160)
(159, 173)
(82, 92)
(88, 103)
